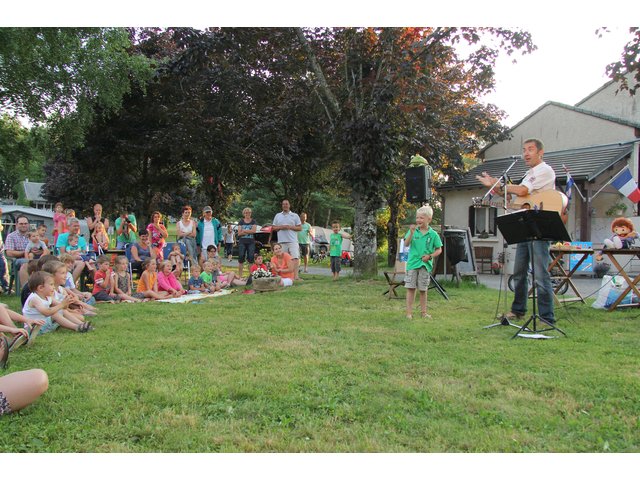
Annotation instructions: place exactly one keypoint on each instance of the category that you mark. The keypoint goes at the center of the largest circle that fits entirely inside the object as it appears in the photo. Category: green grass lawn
(331, 367)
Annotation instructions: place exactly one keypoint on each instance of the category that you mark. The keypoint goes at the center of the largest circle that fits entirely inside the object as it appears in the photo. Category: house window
(482, 221)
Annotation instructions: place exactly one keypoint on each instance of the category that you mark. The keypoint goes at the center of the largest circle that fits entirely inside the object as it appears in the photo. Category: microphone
(515, 157)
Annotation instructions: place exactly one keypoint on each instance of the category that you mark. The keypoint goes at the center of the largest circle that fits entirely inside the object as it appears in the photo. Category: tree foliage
(628, 67)
(60, 74)
(392, 92)
(22, 154)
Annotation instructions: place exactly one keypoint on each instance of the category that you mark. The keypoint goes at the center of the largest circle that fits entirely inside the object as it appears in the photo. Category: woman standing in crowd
(158, 234)
(186, 232)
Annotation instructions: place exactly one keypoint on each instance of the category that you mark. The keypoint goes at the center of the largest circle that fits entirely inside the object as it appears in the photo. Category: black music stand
(527, 226)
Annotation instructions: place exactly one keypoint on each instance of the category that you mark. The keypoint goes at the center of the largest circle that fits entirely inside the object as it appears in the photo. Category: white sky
(568, 65)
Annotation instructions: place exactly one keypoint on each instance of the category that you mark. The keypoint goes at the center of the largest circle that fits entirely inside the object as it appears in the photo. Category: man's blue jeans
(539, 250)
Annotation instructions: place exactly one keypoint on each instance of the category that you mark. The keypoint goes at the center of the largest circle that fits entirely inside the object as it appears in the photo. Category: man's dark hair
(539, 144)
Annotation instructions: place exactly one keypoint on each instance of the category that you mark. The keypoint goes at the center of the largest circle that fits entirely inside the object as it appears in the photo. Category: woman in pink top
(167, 281)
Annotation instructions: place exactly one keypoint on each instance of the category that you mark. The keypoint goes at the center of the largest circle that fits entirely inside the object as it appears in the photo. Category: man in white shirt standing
(209, 231)
(287, 224)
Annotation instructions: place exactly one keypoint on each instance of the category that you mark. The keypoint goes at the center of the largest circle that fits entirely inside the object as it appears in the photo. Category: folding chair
(395, 279)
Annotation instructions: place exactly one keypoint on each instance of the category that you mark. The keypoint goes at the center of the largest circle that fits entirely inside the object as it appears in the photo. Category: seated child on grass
(258, 264)
(86, 298)
(41, 306)
(226, 278)
(196, 284)
(123, 285)
(209, 279)
(59, 272)
(167, 282)
(104, 281)
(148, 283)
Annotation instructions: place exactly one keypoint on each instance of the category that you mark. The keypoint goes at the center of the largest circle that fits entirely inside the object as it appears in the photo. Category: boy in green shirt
(335, 248)
(425, 244)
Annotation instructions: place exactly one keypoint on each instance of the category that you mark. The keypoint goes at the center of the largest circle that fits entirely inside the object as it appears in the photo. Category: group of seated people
(50, 293)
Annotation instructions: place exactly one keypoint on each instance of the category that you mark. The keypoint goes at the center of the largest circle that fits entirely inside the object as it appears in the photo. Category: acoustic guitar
(553, 200)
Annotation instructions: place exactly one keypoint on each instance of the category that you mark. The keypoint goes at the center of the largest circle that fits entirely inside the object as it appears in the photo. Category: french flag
(627, 186)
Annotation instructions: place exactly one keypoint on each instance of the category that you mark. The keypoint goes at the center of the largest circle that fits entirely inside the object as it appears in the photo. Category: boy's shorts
(418, 278)
(49, 326)
(103, 296)
(336, 264)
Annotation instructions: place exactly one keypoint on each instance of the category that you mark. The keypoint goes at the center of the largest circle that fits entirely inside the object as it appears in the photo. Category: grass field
(331, 367)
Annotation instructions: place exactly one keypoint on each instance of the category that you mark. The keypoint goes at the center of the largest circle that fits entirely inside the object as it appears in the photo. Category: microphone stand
(504, 321)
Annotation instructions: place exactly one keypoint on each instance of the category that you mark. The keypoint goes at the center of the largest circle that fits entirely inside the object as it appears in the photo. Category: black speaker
(417, 182)
(454, 241)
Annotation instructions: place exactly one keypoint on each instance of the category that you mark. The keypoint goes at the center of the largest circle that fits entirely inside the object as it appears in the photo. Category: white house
(593, 139)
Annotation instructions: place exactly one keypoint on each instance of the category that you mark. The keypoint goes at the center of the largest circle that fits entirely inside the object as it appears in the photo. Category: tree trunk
(364, 246)
(394, 201)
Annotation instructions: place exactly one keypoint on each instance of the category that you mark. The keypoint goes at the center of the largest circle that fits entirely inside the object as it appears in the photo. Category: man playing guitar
(539, 178)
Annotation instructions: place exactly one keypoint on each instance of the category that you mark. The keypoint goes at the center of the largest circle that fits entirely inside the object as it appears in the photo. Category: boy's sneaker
(17, 342)
(33, 333)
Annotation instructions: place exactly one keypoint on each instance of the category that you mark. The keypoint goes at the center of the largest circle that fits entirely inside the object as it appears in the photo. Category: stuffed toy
(418, 161)
(623, 236)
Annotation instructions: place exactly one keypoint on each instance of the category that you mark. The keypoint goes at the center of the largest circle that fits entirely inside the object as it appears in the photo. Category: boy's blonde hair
(204, 264)
(53, 266)
(66, 258)
(426, 210)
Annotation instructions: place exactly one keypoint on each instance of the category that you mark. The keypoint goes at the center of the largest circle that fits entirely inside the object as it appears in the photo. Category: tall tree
(391, 91)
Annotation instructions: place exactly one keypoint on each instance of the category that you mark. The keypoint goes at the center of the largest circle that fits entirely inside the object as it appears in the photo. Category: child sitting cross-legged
(86, 298)
(196, 283)
(167, 281)
(209, 279)
(122, 285)
(104, 281)
(59, 272)
(40, 305)
(148, 283)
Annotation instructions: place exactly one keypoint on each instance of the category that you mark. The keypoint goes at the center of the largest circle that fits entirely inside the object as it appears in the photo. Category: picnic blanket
(195, 296)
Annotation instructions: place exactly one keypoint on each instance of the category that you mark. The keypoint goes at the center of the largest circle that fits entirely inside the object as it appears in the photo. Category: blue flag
(569, 188)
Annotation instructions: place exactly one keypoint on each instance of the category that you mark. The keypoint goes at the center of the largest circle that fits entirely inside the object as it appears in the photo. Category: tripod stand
(530, 226)
(504, 321)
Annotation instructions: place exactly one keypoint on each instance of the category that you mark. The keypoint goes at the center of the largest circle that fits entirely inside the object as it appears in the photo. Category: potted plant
(618, 209)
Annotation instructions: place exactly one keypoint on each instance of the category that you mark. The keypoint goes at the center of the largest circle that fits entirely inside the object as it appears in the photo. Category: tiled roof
(585, 163)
